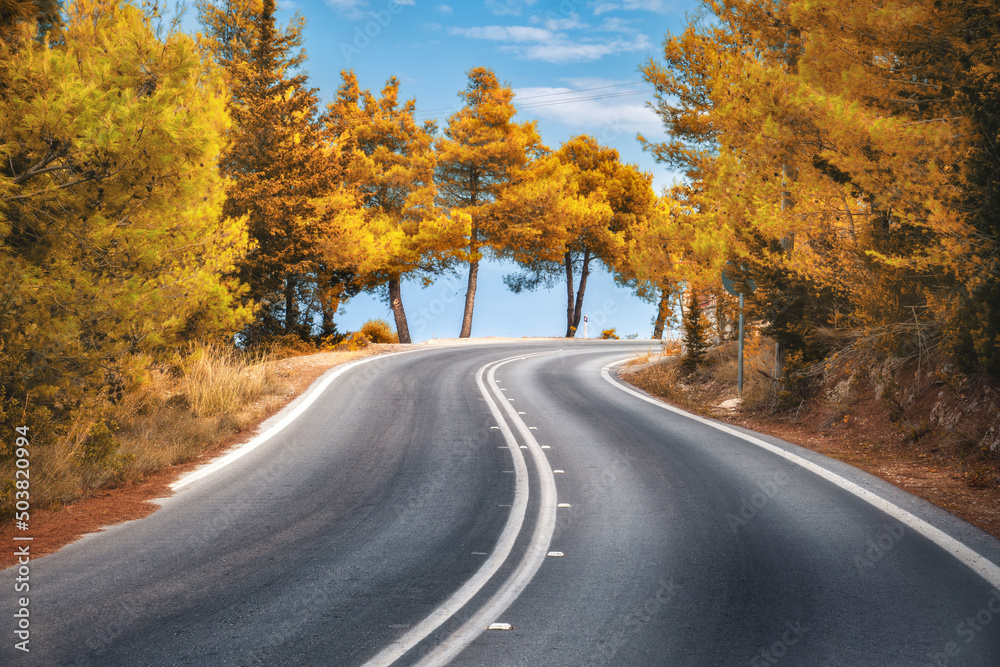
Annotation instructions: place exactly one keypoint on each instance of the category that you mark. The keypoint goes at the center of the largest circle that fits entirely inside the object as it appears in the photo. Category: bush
(356, 341)
(378, 331)
(173, 413)
(609, 334)
(289, 345)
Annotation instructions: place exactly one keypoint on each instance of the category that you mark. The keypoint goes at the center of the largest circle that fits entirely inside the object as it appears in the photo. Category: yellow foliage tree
(283, 174)
(112, 242)
(823, 143)
(387, 161)
(578, 205)
(481, 154)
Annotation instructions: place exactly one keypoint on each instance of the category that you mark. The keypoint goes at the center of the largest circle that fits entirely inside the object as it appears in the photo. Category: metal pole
(739, 367)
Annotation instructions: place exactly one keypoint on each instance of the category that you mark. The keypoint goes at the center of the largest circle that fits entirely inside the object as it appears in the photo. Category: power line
(583, 99)
(568, 100)
(531, 97)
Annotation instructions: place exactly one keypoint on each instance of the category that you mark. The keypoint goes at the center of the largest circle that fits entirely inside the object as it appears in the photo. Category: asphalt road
(420, 497)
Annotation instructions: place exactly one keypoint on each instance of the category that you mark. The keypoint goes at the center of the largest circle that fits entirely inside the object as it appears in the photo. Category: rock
(731, 404)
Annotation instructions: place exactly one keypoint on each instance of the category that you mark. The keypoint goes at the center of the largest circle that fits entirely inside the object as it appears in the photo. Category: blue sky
(574, 67)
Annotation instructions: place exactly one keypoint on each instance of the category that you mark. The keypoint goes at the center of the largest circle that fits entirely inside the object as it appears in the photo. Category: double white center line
(532, 559)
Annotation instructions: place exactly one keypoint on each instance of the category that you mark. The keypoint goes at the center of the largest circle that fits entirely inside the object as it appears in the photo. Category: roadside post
(727, 282)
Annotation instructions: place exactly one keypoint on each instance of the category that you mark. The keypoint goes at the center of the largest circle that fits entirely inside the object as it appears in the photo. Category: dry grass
(217, 382)
(715, 381)
(205, 396)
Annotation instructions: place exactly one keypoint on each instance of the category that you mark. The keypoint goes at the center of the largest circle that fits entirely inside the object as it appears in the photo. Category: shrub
(356, 341)
(378, 331)
(609, 334)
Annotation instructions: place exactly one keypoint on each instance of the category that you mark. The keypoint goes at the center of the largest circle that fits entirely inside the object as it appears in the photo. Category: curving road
(408, 502)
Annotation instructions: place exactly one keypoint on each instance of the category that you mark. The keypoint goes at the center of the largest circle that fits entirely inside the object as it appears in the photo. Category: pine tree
(695, 334)
(574, 207)
(278, 164)
(112, 243)
(482, 152)
(832, 148)
(388, 162)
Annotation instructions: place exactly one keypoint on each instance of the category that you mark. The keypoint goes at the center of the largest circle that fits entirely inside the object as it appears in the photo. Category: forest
(163, 194)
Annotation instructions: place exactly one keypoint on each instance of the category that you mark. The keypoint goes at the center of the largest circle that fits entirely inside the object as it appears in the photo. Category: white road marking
(555, 554)
(544, 528)
(291, 416)
(978, 563)
(556, 472)
(500, 626)
(563, 505)
(531, 561)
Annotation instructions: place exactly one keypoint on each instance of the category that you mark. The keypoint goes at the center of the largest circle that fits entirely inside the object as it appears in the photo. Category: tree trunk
(329, 307)
(291, 312)
(396, 303)
(661, 313)
(570, 327)
(470, 299)
(584, 272)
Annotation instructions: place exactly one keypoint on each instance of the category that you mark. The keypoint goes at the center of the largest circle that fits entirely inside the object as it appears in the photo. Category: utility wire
(569, 100)
(531, 97)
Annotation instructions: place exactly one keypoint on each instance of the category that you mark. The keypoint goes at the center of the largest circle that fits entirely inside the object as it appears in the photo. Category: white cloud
(614, 115)
(567, 51)
(506, 7)
(658, 6)
(359, 9)
(616, 24)
(554, 46)
(444, 10)
(502, 33)
(349, 8)
(554, 23)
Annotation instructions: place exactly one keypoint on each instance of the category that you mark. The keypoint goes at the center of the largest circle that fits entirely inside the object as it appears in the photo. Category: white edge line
(293, 414)
(499, 554)
(979, 564)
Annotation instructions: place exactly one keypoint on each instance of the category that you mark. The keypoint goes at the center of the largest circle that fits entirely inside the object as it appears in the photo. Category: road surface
(408, 502)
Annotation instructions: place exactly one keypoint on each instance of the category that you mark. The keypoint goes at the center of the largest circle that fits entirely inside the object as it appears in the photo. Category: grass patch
(174, 414)
(715, 378)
